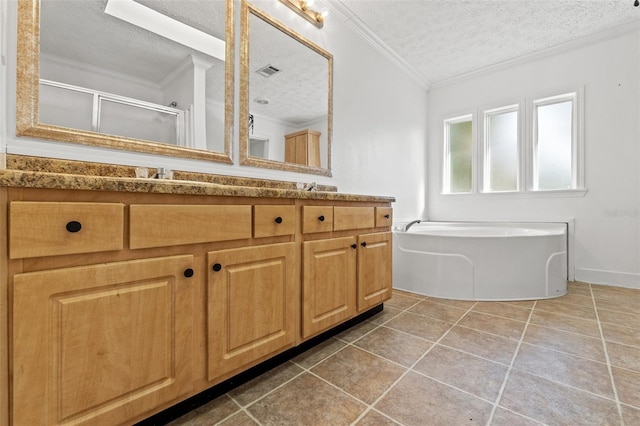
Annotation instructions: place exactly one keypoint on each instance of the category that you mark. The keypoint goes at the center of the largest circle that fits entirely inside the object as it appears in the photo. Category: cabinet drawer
(49, 228)
(317, 219)
(353, 218)
(384, 216)
(272, 221)
(159, 225)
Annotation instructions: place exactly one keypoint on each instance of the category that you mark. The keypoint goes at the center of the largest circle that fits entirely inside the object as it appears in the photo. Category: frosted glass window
(65, 107)
(554, 144)
(460, 154)
(501, 162)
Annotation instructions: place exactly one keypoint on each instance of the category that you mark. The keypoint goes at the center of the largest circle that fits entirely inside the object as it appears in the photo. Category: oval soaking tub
(481, 261)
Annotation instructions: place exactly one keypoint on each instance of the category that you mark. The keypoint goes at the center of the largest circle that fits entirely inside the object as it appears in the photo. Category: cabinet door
(374, 269)
(329, 283)
(101, 344)
(251, 309)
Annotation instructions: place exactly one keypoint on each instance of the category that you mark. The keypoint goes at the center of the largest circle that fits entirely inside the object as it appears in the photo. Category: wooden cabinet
(118, 305)
(328, 283)
(251, 306)
(100, 344)
(374, 269)
(302, 147)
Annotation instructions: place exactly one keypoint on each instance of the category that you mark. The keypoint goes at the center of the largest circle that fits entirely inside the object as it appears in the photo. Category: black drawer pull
(188, 272)
(74, 226)
(386, 216)
(321, 218)
(363, 244)
(217, 267)
(278, 219)
(354, 246)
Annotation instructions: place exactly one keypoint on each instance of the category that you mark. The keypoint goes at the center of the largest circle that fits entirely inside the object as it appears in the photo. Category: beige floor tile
(408, 293)
(462, 304)
(400, 301)
(619, 334)
(495, 325)
(566, 323)
(558, 307)
(627, 307)
(239, 419)
(418, 400)
(209, 413)
(579, 288)
(472, 374)
(494, 348)
(619, 318)
(265, 383)
(439, 311)
(503, 417)
(503, 309)
(556, 404)
(374, 418)
(385, 315)
(628, 386)
(574, 299)
(318, 353)
(521, 303)
(394, 345)
(306, 400)
(357, 331)
(571, 343)
(359, 373)
(630, 415)
(624, 356)
(418, 325)
(564, 368)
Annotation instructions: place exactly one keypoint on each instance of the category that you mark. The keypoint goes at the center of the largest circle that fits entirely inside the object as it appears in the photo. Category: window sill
(559, 193)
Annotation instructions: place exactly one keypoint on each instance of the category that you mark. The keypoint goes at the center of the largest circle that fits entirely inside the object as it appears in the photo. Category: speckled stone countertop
(50, 180)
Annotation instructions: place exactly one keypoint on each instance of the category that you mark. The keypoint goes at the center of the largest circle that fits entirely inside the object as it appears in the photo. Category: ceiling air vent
(268, 70)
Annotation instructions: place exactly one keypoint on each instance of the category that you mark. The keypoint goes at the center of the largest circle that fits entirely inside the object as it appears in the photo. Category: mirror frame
(27, 95)
(245, 159)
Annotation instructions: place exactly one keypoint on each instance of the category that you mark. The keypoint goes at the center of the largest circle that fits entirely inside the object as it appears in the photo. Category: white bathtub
(482, 261)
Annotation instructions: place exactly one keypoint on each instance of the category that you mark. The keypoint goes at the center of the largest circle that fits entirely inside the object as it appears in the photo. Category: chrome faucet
(410, 224)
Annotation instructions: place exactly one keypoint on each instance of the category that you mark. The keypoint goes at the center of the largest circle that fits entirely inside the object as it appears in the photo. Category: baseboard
(613, 278)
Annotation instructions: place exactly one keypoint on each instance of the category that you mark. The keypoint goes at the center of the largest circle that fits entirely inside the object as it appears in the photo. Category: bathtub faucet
(410, 224)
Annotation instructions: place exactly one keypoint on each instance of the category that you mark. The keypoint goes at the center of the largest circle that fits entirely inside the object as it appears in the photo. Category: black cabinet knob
(321, 218)
(354, 246)
(217, 267)
(278, 219)
(363, 244)
(188, 272)
(386, 216)
(74, 226)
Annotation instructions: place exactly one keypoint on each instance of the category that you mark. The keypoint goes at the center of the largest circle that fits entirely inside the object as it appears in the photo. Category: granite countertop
(48, 180)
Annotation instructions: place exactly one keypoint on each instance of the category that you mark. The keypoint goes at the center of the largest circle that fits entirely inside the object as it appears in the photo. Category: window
(548, 157)
(554, 143)
(458, 170)
(501, 150)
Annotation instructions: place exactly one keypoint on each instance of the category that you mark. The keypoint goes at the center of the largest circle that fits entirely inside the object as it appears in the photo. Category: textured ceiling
(442, 39)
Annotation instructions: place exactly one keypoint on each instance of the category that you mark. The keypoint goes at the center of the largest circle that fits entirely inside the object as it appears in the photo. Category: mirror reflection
(286, 98)
(147, 70)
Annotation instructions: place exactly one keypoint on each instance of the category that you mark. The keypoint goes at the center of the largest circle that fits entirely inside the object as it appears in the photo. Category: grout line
(496, 403)
(607, 359)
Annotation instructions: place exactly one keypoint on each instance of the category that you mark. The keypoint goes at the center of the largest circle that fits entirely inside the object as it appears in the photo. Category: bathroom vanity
(120, 297)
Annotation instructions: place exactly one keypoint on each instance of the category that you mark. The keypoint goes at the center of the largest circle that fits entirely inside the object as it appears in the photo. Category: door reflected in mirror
(286, 97)
(144, 75)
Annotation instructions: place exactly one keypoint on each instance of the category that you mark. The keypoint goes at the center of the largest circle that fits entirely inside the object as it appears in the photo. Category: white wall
(607, 222)
(379, 121)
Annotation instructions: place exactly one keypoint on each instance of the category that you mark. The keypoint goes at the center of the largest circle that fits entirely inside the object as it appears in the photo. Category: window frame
(485, 173)
(446, 170)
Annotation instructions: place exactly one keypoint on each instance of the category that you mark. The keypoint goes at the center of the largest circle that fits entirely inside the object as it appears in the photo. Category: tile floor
(574, 360)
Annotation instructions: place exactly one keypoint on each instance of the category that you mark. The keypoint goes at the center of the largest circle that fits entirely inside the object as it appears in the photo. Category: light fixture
(303, 8)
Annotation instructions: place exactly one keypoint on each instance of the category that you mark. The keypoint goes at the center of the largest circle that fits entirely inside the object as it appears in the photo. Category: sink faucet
(410, 224)
(311, 187)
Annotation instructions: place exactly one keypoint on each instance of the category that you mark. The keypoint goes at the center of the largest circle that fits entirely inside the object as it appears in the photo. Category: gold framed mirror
(89, 73)
(286, 97)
